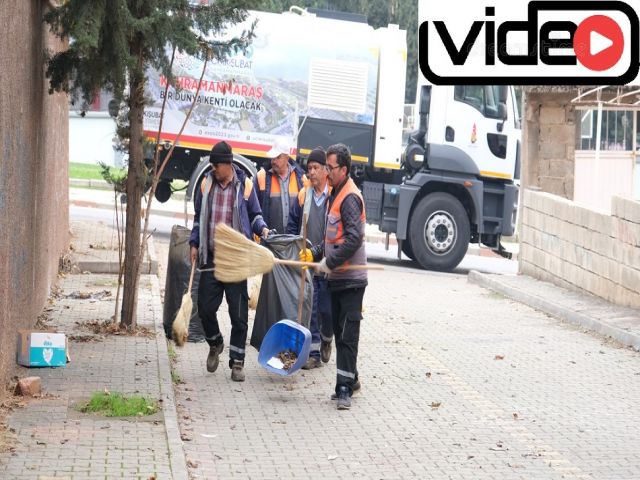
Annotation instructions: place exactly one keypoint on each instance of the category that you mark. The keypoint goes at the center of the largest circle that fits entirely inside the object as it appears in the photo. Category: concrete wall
(34, 193)
(582, 249)
(548, 140)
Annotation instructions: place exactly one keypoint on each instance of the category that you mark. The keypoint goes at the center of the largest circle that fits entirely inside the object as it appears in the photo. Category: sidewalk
(579, 308)
(81, 196)
(425, 411)
(52, 439)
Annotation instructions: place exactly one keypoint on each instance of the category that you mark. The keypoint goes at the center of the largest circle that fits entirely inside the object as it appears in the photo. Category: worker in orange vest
(312, 206)
(343, 246)
(278, 187)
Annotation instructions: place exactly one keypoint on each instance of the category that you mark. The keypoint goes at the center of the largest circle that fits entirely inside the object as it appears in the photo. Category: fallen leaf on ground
(499, 447)
(428, 374)
(435, 405)
(499, 357)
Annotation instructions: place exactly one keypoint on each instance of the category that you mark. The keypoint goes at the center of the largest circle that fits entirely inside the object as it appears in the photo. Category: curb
(555, 309)
(177, 458)
(153, 258)
(149, 267)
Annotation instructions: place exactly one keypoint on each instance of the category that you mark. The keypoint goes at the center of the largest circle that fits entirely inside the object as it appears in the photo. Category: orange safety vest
(335, 234)
(275, 186)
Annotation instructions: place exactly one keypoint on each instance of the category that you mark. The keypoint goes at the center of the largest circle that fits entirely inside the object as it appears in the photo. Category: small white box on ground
(42, 349)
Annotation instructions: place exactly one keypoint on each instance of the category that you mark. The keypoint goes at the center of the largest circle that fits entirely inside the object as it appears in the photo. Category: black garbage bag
(177, 282)
(280, 289)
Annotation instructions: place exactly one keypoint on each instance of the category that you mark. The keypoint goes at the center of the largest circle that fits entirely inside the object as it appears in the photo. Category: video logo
(558, 42)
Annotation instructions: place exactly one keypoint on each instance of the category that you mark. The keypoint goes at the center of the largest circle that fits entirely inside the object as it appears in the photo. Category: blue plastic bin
(285, 335)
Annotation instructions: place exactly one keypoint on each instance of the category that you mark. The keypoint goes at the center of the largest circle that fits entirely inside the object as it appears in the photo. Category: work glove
(306, 255)
(322, 267)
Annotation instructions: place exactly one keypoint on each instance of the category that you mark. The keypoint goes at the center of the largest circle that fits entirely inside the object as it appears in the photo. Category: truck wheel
(439, 231)
(163, 191)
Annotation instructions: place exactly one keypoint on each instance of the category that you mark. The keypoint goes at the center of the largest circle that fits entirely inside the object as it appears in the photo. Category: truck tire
(439, 231)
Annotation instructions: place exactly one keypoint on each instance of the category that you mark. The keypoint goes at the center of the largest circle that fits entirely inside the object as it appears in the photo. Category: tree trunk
(135, 189)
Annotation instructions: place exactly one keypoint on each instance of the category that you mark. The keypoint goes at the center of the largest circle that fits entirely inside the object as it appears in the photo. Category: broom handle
(193, 271)
(303, 273)
(297, 263)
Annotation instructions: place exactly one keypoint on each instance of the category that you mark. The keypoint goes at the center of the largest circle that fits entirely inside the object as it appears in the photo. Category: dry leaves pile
(77, 295)
(108, 327)
(7, 435)
(288, 358)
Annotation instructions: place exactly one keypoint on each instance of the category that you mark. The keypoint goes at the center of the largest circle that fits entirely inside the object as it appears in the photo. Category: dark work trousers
(320, 326)
(210, 293)
(346, 309)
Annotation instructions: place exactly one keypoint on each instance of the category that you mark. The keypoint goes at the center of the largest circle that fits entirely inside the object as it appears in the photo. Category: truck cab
(461, 170)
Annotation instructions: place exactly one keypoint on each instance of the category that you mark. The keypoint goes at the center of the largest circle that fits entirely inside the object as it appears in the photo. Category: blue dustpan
(285, 335)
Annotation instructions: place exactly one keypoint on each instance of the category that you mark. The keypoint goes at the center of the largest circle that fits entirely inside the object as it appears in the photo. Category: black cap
(317, 155)
(221, 153)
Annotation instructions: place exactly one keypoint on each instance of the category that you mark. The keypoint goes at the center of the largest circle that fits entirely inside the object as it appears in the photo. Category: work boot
(343, 399)
(312, 362)
(237, 371)
(356, 386)
(325, 351)
(214, 357)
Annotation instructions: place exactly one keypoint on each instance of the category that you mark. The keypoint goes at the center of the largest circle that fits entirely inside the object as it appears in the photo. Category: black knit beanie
(221, 153)
(317, 155)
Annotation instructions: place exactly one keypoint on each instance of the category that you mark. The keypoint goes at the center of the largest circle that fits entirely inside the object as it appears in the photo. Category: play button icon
(598, 43)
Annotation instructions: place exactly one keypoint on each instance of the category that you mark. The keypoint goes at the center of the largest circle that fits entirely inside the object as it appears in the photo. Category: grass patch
(172, 352)
(175, 378)
(85, 171)
(118, 405)
(92, 171)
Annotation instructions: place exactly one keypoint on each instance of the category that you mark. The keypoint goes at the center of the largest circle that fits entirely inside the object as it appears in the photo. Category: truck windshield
(483, 98)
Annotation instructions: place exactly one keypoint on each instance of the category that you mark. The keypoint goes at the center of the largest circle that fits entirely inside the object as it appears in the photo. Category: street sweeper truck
(314, 78)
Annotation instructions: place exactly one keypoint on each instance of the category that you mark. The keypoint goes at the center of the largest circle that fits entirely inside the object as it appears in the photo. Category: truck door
(475, 123)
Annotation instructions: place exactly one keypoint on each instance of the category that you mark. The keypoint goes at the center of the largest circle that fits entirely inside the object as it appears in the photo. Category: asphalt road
(161, 228)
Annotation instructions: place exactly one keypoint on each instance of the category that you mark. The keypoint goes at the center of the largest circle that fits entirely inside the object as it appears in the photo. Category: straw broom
(238, 258)
(180, 327)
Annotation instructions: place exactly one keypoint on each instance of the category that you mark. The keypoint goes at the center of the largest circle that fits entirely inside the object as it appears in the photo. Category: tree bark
(135, 189)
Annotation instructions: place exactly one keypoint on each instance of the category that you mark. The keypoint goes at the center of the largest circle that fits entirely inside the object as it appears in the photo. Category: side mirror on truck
(425, 99)
(502, 111)
(503, 92)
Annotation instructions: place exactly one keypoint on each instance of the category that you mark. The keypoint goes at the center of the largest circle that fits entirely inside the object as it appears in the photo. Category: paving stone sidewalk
(576, 307)
(54, 440)
(458, 383)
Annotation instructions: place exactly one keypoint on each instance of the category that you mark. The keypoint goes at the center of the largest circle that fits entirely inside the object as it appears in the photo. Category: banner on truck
(296, 66)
